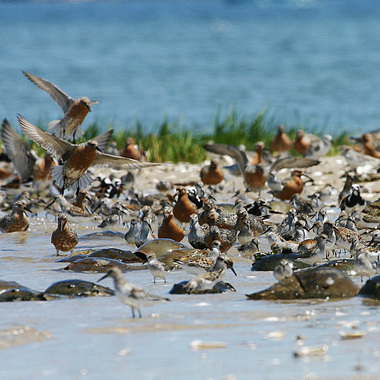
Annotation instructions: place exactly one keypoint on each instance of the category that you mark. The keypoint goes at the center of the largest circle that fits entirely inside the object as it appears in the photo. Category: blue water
(311, 62)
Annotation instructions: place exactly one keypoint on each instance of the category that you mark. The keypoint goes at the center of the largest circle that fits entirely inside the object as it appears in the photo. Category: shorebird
(64, 238)
(211, 174)
(369, 149)
(23, 158)
(145, 233)
(353, 201)
(76, 158)
(249, 248)
(207, 281)
(130, 150)
(196, 235)
(302, 142)
(280, 142)
(75, 110)
(320, 148)
(156, 267)
(316, 253)
(362, 265)
(17, 220)
(295, 185)
(132, 232)
(347, 187)
(256, 175)
(283, 270)
(132, 295)
(170, 229)
(183, 207)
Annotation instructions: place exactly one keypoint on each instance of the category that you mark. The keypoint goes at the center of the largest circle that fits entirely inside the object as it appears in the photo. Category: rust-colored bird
(255, 177)
(130, 150)
(75, 110)
(280, 142)
(183, 207)
(77, 158)
(294, 186)
(170, 229)
(42, 171)
(369, 149)
(211, 174)
(64, 238)
(302, 142)
(17, 220)
(257, 157)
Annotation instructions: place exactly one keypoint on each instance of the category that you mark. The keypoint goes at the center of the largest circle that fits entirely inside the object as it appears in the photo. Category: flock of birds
(192, 212)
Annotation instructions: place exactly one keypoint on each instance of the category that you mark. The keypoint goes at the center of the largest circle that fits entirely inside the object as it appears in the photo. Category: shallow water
(313, 62)
(96, 337)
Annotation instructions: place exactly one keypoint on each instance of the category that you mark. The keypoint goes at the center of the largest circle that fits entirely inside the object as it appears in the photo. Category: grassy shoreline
(175, 142)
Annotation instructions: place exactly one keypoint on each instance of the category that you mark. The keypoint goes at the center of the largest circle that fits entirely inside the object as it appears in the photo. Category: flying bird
(76, 158)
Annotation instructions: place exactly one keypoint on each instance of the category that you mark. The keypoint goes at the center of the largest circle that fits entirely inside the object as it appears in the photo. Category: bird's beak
(233, 270)
(105, 276)
(99, 150)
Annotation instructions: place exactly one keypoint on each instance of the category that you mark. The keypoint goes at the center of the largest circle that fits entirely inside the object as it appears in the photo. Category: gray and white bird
(132, 295)
(157, 268)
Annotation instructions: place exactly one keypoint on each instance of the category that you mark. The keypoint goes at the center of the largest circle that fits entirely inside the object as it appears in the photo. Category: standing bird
(302, 142)
(77, 158)
(212, 174)
(17, 220)
(183, 207)
(369, 149)
(131, 234)
(130, 150)
(75, 110)
(64, 238)
(156, 267)
(170, 229)
(280, 142)
(131, 295)
(294, 186)
(353, 201)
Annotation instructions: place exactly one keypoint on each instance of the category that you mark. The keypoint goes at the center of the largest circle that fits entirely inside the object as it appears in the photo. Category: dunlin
(64, 238)
(17, 220)
(76, 158)
(132, 295)
(75, 110)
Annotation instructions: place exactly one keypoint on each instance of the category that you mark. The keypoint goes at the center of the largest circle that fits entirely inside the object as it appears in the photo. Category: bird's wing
(60, 97)
(118, 162)
(51, 143)
(229, 150)
(18, 150)
(293, 162)
(103, 139)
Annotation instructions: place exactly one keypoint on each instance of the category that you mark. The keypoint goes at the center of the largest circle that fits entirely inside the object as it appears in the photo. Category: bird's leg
(139, 313)
(133, 312)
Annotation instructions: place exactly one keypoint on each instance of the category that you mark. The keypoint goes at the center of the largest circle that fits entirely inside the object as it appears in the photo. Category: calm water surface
(312, 61)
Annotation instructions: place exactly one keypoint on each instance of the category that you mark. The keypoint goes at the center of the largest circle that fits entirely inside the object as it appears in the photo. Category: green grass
(176, 142)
